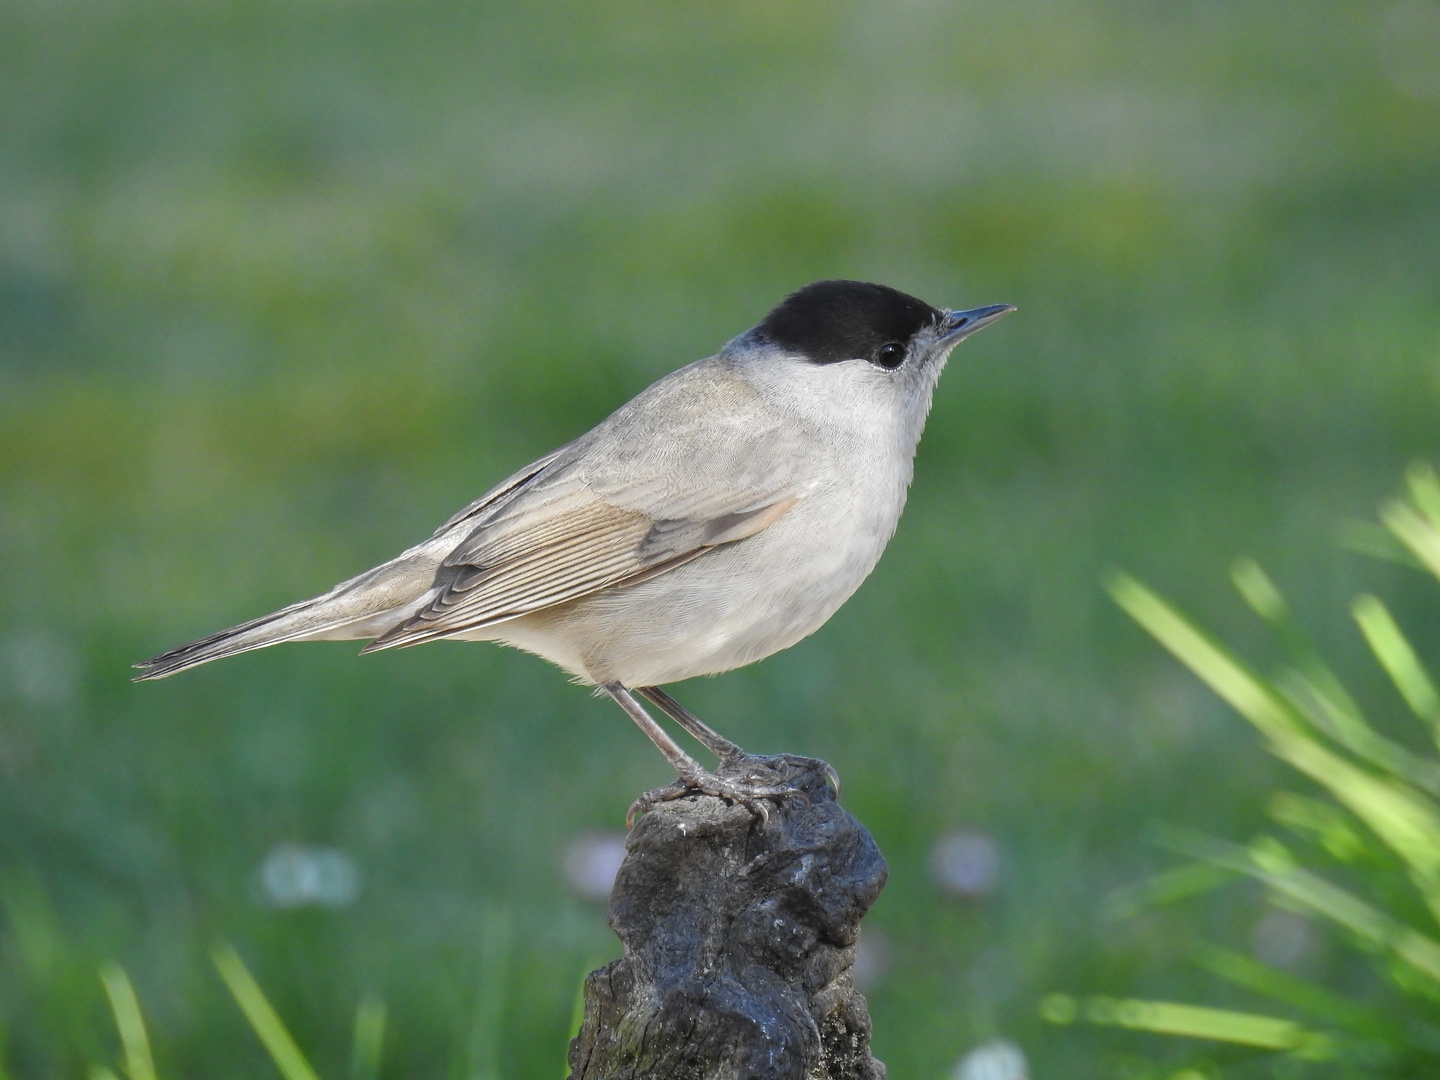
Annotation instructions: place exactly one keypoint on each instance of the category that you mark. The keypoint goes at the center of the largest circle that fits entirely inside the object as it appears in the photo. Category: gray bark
(739, 937)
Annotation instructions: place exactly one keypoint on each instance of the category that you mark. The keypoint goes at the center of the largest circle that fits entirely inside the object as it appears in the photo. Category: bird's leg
(684, 764)
(732, 757)
(692, 777)
(704, 734)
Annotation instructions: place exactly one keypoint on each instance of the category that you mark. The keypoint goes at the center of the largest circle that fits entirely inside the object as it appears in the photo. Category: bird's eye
(890, 356)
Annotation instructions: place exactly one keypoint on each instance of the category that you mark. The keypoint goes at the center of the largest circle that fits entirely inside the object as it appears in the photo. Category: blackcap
(720, 516)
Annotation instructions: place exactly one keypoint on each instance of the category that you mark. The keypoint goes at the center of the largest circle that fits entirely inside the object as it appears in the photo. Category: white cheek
(853, 400)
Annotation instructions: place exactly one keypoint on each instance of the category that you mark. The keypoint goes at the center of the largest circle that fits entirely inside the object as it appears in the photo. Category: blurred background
(284, 284)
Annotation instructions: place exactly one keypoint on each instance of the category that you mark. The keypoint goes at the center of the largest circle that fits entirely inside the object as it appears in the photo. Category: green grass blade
(577, 1007)
(100, 1072)
(1341, 717)
(369, 1042)
(1192, 1021)
(481, 1046)
(1424, 486)
(577, 1010)
(1226, 675)
(1309, 997)
(139, 1062)
(1401, 816)
(1416, 531)
(1327, 823)
(1167, 887)
(1396, 656)
(1259, 591)
(1367, 538)
(1318, 695)
(263, 1018)
(1331, 710)
(1270, 863)
(1405, 820)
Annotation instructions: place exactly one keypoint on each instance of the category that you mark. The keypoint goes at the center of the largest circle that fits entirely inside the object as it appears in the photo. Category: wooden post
(739, 938)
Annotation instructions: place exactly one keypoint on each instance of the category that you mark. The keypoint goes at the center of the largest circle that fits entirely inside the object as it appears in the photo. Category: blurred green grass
(281, 285)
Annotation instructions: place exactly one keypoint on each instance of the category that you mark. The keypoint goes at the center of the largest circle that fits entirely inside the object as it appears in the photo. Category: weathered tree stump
(739, 937)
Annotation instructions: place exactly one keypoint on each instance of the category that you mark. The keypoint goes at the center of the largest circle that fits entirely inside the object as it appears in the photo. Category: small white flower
(296, 876)
(591, 862)
(998, 1059)
(966, 863)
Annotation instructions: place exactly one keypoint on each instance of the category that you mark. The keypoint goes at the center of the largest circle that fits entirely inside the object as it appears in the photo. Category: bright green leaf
(139, 1062)
(1401, 816)
(368, 1044)
(1416, 531)
(1424, 486)
(1330, 709)
(263, 1018)
(1244, 971)
(1398, 659)
(1200, 1022)
(1258, 590)
(1212, 662)
(1312, 893)
(1166, 887)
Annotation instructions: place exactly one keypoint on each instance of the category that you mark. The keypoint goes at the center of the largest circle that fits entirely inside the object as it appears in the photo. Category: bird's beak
(956, 326)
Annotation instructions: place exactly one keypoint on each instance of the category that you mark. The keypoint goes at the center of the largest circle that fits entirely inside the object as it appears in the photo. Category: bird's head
(856, 345)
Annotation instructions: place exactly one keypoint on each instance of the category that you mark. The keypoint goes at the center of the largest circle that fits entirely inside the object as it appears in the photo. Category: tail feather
(363, 607)
(287, 624)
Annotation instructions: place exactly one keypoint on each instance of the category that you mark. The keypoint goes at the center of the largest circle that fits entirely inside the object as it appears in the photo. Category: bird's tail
(288, 624)
(363, 607)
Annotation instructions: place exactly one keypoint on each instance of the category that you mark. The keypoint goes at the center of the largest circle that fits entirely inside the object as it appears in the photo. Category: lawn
(282, 285)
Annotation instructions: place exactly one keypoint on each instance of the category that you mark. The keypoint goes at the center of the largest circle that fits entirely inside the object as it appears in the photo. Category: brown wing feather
(581, 548)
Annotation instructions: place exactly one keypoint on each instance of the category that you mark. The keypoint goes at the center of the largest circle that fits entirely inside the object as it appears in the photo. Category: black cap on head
(831, 321)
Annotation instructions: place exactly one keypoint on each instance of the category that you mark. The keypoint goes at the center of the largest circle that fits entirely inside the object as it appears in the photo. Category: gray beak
(956, 326)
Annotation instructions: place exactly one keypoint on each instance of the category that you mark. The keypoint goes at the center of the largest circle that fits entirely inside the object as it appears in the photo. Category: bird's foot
(749, 793)
(746, 780)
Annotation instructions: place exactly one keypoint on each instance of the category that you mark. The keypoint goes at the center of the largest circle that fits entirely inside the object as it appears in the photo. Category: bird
(721, 515)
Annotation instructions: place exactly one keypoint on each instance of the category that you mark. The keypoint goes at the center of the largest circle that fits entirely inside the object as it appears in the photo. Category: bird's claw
(749, 793)
(832, 777)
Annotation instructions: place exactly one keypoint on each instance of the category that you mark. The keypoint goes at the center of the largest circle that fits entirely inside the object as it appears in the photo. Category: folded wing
(576, 545)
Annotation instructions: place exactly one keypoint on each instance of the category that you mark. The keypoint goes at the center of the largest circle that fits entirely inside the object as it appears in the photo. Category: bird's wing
(620, 505)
